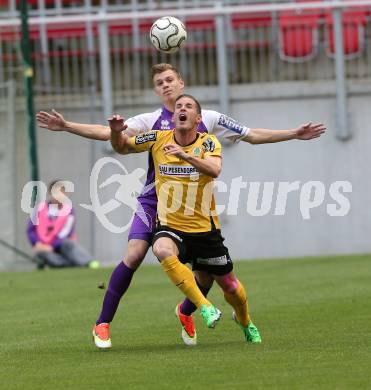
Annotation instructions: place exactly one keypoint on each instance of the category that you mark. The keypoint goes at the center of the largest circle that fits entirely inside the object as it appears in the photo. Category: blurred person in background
(53, 236)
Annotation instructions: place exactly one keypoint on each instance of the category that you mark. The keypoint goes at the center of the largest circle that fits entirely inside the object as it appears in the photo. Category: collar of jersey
(184, 146)
(166, 111)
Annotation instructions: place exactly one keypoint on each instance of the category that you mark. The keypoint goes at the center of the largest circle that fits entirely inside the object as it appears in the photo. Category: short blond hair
(160, 68)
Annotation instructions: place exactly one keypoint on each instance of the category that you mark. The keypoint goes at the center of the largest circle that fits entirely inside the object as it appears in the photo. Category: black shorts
(204, 251)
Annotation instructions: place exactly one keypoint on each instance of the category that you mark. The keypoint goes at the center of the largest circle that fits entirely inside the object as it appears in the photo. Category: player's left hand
(310, 130)
(175, 150)
(116, 123)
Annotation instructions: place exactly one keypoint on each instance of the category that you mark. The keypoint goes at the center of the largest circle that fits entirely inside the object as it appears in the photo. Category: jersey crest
(209, 145)
(197, 151)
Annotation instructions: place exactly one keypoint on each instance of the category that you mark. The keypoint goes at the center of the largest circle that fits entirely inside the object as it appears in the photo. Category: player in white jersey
(168, 85)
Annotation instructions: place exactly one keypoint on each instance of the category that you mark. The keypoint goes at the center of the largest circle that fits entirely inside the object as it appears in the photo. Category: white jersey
(213, 122)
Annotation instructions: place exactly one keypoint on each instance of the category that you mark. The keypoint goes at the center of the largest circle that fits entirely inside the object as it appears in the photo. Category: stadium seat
(353, 33)
(298, 35)
(251, 24)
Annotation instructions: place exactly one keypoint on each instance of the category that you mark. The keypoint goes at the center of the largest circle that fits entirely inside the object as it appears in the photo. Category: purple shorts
(144, 222)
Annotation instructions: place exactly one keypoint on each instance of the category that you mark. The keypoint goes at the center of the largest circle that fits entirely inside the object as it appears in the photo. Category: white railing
(104, 14)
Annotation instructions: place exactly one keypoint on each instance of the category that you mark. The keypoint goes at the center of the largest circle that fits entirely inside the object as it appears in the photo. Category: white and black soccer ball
(168, 34)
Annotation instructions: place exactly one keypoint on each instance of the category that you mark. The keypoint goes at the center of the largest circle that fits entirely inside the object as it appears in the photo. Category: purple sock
(188, 307)
(118, 284)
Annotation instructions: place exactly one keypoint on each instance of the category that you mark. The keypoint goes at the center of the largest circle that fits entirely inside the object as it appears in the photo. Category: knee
(135, 255)
(162, 250)
(230, 285)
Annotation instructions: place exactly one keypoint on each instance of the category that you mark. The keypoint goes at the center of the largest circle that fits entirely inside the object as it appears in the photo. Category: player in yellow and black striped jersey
(185, 164)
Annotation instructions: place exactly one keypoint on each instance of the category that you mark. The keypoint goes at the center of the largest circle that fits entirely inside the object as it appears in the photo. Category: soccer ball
(168, 34)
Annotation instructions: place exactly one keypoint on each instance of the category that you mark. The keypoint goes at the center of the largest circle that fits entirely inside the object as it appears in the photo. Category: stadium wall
(278, 106)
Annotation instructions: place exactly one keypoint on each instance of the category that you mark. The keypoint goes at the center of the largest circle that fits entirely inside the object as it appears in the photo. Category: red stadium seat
(260, 19)
(298, 35)
(353, 33)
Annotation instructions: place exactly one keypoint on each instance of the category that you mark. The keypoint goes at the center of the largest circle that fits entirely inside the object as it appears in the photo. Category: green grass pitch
(314, 315)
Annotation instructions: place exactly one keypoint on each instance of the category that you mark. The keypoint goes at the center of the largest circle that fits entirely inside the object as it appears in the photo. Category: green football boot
(211, 315)
(250, 331)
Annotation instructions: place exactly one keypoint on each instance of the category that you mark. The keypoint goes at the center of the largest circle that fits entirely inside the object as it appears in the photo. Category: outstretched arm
(306, 131)
(209, 165)
(119, 140)
(56, 122)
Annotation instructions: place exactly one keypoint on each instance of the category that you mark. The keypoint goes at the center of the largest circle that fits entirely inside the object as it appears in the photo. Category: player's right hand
(53, 121)
(116, 123)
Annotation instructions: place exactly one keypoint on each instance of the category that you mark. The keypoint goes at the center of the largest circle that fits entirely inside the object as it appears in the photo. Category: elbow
(252, 140)
(216, 173)
(117, 149)
(120, 149)
(252, 137)
(114, 147)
